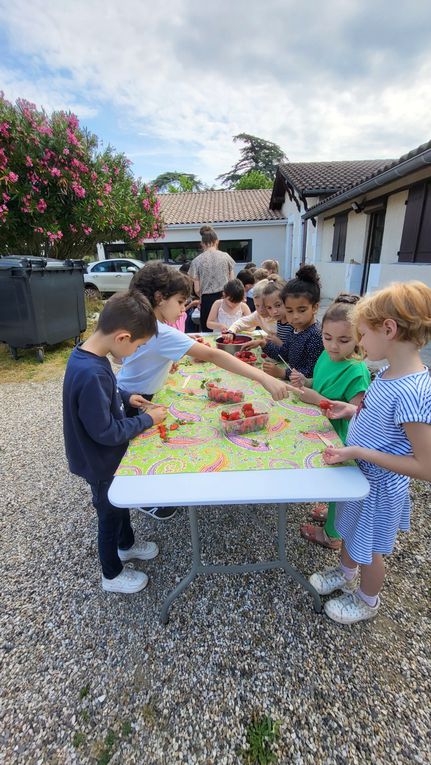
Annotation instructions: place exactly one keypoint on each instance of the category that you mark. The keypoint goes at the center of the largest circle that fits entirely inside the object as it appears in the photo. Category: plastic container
(235, 346)
(41, 302)
(224, 395)
(243, 425)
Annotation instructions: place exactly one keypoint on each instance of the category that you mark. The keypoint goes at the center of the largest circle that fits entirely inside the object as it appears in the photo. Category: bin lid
(33, 263)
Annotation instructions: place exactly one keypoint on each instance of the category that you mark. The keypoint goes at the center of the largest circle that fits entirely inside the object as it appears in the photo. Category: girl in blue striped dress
(390, 437)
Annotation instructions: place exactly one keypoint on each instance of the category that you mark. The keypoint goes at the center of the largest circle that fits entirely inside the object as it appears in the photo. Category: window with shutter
(416, 237)
(339, 242)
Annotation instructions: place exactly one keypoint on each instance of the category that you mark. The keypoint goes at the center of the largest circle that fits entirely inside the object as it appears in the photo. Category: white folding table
(248, 487)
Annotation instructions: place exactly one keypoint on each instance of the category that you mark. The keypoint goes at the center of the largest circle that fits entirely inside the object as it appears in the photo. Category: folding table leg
(196, 567)
(281, 529)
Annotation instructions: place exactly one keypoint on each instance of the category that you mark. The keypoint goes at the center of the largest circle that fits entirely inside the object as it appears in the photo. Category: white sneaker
(350, 608)
(144, 551)
(332, 579)
(159, 513)
(127, 581)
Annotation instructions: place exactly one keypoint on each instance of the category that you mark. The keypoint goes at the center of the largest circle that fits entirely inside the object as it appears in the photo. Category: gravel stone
(91, 677)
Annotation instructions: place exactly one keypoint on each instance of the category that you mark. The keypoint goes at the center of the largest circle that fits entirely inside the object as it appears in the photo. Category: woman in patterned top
(210, 271)
(390, 437)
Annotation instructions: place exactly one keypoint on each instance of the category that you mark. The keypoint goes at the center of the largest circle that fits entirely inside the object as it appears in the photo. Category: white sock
(349, 573)
(370, 600)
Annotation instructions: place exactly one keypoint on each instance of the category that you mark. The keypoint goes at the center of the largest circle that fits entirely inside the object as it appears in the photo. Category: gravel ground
(90, 677)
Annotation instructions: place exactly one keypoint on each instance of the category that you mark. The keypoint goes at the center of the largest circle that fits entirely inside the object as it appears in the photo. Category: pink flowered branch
(59, 193)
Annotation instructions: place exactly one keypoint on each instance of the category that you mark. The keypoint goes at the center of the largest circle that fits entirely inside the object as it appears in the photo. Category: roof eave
(393, 173)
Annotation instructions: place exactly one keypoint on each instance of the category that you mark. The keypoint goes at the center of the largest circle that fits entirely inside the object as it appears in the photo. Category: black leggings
(206, 305)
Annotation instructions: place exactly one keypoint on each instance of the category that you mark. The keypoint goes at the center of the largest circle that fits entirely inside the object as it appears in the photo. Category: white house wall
(268, 238)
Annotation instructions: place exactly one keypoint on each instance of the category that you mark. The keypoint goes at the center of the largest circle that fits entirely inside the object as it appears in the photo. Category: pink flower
(145, 204)
(66, 151)
(41, 205)
(99, 202)
(28, 161)
(73, 228)
(87, 230)
(71, 137)
(108, 188)
(6, 197)
(13, 177)
(38, 230)
(73, 121)
(4, 129)
(78, 190)
(55, 172)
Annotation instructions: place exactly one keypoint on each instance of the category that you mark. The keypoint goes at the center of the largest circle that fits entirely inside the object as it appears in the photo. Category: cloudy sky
(171, 83)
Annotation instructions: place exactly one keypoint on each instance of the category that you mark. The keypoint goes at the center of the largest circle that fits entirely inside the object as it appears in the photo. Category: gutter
(225, 224)
(392, 174)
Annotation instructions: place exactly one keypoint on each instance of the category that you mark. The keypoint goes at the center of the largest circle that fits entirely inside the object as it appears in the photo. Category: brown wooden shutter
(340, 234)
(423, 250)
(412, 223)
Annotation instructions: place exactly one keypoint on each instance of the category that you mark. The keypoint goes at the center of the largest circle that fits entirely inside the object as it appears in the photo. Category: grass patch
(84, 691)
(27, 368)
(261, 734)
(78, 739)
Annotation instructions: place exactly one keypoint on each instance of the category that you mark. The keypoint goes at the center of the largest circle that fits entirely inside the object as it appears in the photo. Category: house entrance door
(374, 248)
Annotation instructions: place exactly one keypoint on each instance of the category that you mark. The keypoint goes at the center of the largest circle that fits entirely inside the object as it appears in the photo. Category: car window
(105, 266)
(123, 265)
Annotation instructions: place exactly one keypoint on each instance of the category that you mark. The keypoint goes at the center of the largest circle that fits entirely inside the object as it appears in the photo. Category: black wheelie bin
(41, 302)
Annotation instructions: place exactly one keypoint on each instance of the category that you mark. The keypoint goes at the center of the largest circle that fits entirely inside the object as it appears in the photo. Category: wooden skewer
(186, 381)
(326, 441)
(288, 367)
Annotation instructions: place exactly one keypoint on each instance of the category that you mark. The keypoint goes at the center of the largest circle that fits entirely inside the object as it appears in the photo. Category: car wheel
(92, 293)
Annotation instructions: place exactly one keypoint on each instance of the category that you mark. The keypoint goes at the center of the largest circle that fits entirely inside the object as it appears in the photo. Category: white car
(109, 276)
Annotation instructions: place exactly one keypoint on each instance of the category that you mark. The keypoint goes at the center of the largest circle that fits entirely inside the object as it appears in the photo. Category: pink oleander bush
(60, 195)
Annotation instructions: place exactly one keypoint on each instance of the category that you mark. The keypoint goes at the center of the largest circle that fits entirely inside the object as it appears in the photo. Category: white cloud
(322, 85)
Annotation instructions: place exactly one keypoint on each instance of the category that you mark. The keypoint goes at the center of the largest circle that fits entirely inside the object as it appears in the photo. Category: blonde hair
(260, 273)
(408, 304)
(271, 266)
(259, 288)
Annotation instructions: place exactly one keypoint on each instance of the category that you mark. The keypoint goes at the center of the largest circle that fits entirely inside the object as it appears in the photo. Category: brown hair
(159, 277)
(234, 290)
(271, 266)
(208, 235)
(341, 308)
(129, 311)
(274, 285)
(260, 273)
(409, 304)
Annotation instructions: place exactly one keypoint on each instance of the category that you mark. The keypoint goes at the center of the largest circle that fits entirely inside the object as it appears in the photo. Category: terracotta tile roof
(217, 206)
(420, 152)
(310, 178)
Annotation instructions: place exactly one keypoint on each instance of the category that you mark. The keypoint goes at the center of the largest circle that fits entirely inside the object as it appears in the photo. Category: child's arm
(94, 411)
(245, 323)
(212, 322)
(276, 388)
(245, 309)
(416, 465)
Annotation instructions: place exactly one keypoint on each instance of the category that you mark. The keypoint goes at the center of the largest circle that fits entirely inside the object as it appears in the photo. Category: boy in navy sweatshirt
(97, 432)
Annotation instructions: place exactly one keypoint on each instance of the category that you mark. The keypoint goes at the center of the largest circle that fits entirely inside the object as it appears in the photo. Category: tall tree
(256, 154)
(173, 182)
(59, 195)
(254, 179)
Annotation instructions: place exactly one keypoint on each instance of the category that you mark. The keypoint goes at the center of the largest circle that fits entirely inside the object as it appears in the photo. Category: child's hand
(297, 378)
(253, 344)
(340, 410)
(332, 455)
(138, 401)
(158, 414)
(174, 368)
(273, 369)
(276, 388)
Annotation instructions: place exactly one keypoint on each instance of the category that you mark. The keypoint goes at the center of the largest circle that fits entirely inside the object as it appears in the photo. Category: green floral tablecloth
(199, 445)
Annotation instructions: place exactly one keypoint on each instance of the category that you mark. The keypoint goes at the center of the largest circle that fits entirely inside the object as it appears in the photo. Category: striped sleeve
(415, 403)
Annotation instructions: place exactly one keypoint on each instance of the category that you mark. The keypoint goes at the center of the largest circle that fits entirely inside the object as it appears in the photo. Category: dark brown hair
(305, 284)
(159, 277)
(208, 235)
(341, 308)
(246, 277)
(129, 311)
(234, 290)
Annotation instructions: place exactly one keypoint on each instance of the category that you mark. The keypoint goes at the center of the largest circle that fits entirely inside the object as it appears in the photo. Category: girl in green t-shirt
(339, 375)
